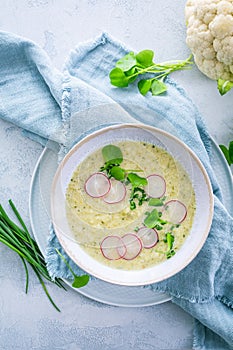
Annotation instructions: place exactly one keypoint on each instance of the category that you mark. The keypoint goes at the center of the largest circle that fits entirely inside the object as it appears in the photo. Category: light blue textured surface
(216, 108)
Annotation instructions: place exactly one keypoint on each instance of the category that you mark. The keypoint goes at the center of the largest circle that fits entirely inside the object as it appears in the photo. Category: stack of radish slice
(133, 246)
(130, 245)
(98, 185)
(113, 248)
(127, 247)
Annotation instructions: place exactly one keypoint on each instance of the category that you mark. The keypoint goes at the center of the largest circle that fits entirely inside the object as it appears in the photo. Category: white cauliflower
(210, 37)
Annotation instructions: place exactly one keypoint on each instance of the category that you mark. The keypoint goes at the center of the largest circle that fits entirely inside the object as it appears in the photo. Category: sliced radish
(117, 192)
(133, 246)
(156, 186)
(175, 211)
(112, 247)
(148, 236)
(97, 185)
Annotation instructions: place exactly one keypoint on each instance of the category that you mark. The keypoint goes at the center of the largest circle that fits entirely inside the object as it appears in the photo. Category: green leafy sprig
(228, 152)
(113, 158)
(137, 190)
(79, 281)
(154, 219)
(132, 65)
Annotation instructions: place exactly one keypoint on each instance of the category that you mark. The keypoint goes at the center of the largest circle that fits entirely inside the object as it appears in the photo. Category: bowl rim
(204, 236)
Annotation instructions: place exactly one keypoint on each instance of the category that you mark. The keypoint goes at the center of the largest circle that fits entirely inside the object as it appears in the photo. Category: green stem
(27, 275)
(45, 289)
(169, 67)
(24, 227)
(69, 267)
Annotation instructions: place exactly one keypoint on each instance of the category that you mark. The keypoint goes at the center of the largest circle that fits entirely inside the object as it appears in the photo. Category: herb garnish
(20, 241)
(169, 239)
(79, 281)
(113, 157)
(132, 65)
(156, 202)
(153, 220)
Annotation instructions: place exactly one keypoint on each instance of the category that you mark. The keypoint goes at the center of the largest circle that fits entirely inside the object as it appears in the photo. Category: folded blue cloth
(45, 103)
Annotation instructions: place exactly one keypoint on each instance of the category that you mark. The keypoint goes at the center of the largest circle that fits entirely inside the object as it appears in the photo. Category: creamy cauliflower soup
(130, 205)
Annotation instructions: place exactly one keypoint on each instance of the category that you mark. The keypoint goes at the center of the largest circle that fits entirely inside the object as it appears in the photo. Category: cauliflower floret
(224, 7)
(210, 36)
(221, 26)
(224, 49)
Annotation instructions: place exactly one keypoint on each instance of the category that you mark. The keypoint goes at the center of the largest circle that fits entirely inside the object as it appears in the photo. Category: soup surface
(133, 226)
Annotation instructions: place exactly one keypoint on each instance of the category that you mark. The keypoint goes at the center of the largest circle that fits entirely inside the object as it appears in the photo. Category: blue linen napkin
(45, 103)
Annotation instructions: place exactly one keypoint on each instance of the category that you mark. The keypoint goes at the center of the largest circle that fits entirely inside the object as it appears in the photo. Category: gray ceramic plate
(97, 289)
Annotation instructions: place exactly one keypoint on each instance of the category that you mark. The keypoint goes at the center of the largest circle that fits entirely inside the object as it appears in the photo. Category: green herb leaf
(170, 240)
(170, 253)
(117, 172)
(225, 151)
(127, 62)
(137, 180)
(224, 86)
(152, 219)
(155, 202)
(145, 58)
(118, 78)
(112, 154)
(231, 151)
(144, 86)
(158, 87)
(80, 281)
(228, 152)
(131, 74)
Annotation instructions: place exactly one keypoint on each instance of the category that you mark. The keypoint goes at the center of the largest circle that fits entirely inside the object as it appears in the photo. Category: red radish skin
(156, 186)
(97, 185)
(133, 246)
(178, 211)
(116, 193)
(148, 236)
(113, 248)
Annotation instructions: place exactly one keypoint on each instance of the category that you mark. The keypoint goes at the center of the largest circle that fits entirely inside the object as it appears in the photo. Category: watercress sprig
(78, 281)
(113, 158)
(132, 65)
(154, 219)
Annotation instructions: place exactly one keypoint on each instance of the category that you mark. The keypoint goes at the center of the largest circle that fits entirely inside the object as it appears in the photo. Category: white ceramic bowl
(191, 164)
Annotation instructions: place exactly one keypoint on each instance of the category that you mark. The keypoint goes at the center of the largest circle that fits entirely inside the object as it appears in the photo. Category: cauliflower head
(210, 36)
